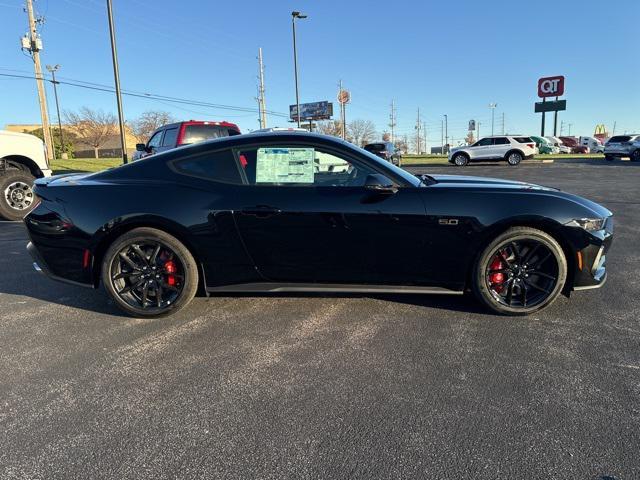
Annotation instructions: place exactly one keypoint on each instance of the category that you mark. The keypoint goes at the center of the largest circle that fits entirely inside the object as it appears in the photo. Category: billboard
(551, 86)
(312, 111)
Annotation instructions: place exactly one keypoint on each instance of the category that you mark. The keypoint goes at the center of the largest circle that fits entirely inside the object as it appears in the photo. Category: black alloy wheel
(635, 156)
(522, 271)
(149, 273)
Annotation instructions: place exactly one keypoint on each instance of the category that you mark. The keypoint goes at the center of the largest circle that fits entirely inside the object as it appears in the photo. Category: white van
(595, 145)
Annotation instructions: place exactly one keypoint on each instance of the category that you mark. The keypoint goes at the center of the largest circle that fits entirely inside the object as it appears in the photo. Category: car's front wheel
(460, 159)
(514, 158)
(16, 194)
(522, 271)
(149, 273)
(635, 156)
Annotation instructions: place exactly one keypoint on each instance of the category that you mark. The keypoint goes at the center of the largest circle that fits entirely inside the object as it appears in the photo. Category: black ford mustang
(292, 211)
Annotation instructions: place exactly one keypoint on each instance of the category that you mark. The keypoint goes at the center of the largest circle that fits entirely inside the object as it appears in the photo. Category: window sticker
(284, 165)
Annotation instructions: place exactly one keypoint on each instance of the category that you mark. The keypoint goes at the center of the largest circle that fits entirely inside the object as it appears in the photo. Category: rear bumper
(41, 266)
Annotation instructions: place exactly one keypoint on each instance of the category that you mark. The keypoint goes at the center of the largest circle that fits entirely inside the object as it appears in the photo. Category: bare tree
(361, 131)
(470, 140)
(92, 127)
(143, 126)
(330, 127)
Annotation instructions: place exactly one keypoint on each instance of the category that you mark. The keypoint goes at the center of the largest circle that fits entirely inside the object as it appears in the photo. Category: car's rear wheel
(522, 271)
(514, 158)
(460, 159)
(635, 156)
(149, 273)
(16, 194)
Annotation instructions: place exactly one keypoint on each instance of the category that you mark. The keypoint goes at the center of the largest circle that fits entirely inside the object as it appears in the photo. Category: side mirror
(379, 184)
(141, 147)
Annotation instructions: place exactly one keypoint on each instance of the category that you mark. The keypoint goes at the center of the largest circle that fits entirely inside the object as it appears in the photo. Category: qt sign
(551, 86)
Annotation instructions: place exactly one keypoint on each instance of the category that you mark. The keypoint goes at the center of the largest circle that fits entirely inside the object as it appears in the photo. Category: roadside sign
(312, 111)
(472, 125)
(553, 106)
(551, 86)
(344, 96)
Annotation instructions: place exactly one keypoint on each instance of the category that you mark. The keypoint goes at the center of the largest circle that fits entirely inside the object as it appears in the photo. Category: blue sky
(452, 57)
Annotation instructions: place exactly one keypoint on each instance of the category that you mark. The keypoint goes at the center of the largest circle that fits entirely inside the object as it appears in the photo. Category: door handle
(260, 211)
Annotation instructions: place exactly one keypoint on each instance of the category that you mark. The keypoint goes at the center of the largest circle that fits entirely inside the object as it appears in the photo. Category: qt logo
(551, 86)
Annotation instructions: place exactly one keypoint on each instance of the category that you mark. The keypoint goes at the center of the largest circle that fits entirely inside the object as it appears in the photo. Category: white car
(556, 142)
(512, 149)
(22, 160)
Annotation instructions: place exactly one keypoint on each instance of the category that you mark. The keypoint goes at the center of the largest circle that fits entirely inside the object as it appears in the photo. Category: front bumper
(591, 261)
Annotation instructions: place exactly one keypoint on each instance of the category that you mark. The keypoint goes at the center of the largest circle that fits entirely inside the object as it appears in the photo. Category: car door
(169, 140)
(307, 217)
(155, 142)
(501, 145)
(481, 149)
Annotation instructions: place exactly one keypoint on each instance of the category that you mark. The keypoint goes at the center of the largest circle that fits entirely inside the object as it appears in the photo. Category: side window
(300, 166)
(501, 141)
(156, 140)
(218, 166)
(484, 142)
(170, 137)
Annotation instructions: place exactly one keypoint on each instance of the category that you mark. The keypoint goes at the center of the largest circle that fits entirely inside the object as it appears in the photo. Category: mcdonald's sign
(601, 132)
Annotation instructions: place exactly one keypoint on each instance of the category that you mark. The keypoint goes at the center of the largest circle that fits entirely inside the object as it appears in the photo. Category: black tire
(519, 271)
(635, 156)
(609, 158)
(514, 158)
(16, 194)
(460, 160)
(163, 296)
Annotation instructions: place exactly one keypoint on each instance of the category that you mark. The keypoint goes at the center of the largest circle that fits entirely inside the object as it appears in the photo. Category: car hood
(464, 181)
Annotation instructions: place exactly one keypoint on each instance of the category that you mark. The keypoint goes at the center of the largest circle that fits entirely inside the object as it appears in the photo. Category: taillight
(531, 145)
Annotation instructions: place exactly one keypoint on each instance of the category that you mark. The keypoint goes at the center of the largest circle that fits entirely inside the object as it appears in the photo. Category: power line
(151, 96)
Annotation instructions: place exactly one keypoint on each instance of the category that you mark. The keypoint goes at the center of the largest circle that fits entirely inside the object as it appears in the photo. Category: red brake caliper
(170, 268)
(496, 279)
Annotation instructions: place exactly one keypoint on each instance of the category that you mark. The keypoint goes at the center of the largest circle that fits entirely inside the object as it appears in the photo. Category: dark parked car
(386, 151)
(183, 133)
(253, 213)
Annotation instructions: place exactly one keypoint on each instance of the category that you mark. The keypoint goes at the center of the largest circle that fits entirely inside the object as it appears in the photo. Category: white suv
(512, 149)
(623, 146)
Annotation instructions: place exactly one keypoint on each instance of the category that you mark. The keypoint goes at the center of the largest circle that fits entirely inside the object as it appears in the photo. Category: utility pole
(446, 132)
(614, 128)
(261, 100)
(418, 126)
(561, 126)
(569, 126)
(116, 76)
(33, 44)
(478, 127)
(392, 124)
(53, 69)
(441, 136)
(502, 130)
(424, 135)
(343, 113)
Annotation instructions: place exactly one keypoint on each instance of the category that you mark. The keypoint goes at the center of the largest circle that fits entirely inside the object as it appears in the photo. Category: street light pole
(493, 106)
(295, 15)
(116, 75)
(53, 69)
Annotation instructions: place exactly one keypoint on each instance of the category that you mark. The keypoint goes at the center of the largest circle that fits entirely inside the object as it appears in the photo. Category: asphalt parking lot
(329, 387)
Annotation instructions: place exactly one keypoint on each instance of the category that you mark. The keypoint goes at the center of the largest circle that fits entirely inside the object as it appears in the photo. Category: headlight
(589, 224)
